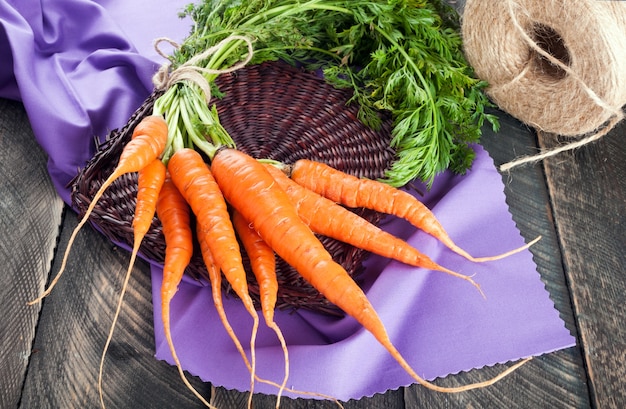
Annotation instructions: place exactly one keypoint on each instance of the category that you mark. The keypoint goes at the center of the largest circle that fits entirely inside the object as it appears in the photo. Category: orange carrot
(216, 290)
(263, 264)
(215, 277)
(329, 219)
(149, 185)
(196, 183)
(138, 153)
(173, 211)
(262, 257)
(261, 201)
(356, 192)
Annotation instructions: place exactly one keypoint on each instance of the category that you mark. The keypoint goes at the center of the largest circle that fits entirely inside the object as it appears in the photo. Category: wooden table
(49, 355)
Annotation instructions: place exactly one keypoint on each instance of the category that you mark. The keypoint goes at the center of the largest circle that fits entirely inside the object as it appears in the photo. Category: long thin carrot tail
(456, 389)
(363, 311)
(356, 192)
(462, 252)
(217, 295)
(115, 319)
(263, 264)
(78, 227)
(255, 328)
(215, 278)
(170, 342)
(330, 219)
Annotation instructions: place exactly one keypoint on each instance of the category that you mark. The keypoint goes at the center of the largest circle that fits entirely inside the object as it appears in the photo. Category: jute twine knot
(555, 65)
(190, 71)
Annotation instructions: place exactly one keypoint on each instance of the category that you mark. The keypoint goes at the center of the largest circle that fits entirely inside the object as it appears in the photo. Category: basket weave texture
(273, 111)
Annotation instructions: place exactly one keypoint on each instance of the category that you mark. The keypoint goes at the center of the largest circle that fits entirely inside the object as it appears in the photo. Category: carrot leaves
(402, 56)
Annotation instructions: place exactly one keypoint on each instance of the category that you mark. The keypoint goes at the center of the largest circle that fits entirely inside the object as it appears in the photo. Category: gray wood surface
(589, 191)
(30, 216)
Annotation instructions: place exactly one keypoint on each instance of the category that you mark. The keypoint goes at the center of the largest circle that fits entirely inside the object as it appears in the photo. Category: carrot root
(170, 342)
(194, 180)
(263, 263)
(137, 154)
(328, 218)
(114, 322)
(355, 192)
(499, 256)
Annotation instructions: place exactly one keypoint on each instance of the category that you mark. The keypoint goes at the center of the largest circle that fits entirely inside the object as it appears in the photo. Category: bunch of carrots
(273, 209)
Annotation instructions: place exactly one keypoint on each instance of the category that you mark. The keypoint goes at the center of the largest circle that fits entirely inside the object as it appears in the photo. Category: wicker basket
(271, 110)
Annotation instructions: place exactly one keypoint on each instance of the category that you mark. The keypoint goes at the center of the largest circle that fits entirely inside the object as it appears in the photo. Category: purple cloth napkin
(441, 324)
(82, 67)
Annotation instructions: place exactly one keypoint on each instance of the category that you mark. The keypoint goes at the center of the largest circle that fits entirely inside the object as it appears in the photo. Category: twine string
(617, 113)
(586, 102)
(555, 151)
(191, 71)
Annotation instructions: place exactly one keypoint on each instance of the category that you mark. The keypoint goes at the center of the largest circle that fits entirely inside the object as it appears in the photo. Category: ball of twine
(557, 65)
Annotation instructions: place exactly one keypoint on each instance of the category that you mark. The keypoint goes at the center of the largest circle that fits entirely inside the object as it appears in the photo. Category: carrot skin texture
(144, 147)
(174, 213)
(137, 154)
(259, 199)
(263, 263)
(262, 202)
(215, 277)
(149, 183)
(327, 218)
(196, 183)
(356, 192)
(194, 180)
(150, 125)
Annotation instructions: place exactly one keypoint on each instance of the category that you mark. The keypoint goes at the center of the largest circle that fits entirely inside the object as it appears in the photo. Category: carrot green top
(402, 56)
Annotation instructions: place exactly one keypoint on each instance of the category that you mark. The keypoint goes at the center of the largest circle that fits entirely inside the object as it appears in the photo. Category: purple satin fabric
(82, 67)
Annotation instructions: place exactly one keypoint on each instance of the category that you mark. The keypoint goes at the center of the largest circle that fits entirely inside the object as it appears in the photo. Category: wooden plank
(223, 398)
(588, 188)
(30, 214)
(232, 399)
(73, 327)
(555, 380)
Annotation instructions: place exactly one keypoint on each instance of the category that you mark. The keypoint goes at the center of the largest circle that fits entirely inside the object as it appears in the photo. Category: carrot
(263, 263)
(329, 219)
(149, 185)
(261, 201)
(142, 149)
(356, 192)
(216, 289)
(215, 277)
(194, 180)
(173, 211)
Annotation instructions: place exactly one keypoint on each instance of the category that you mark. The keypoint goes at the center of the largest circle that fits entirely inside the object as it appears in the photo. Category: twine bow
(191, 71)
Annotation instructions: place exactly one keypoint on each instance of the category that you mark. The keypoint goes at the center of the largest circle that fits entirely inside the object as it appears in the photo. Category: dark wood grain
(223, 398)
(30, 215)
(74, 324)
(588, 189)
